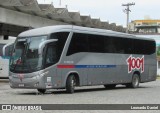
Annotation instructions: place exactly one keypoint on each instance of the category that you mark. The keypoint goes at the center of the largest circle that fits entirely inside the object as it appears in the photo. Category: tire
(41, 91)
(110, 86)
(70, 84)
(135, 82)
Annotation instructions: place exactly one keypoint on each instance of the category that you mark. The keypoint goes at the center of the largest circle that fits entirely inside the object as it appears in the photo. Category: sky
(111, 10)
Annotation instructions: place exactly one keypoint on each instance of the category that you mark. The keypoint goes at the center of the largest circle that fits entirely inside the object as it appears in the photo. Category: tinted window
(109, 44)
(86, 43)
(51, 55)
(121, 45)
(62, 37)
(150, 47)
(144, 47)
(96, 43)
(79, 43)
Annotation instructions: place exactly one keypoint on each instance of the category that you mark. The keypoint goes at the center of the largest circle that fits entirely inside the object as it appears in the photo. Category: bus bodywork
(80, 56)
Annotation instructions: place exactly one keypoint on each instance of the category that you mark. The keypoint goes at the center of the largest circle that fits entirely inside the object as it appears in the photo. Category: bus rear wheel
(110, 86)
(70, 84)
(41, 91)
(135, 82)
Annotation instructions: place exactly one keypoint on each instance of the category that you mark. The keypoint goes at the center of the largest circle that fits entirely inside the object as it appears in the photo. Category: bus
(5, 50)
(67, 56)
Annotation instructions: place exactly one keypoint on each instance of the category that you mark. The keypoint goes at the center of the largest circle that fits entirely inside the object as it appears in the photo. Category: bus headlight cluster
(43, 74)
(36, 84)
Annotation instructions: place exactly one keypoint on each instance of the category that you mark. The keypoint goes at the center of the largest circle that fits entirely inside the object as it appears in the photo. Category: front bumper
(35, 82)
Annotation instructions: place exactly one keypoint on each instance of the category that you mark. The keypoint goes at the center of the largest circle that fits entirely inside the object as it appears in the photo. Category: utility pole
(127, 10)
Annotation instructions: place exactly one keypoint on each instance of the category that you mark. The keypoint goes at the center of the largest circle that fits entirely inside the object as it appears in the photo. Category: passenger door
(50, 59)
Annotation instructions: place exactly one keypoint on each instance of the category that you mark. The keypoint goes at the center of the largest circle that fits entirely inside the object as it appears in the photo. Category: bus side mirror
(42, 45)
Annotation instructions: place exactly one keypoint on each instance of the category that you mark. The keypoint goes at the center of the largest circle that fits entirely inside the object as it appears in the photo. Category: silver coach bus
(67, 56)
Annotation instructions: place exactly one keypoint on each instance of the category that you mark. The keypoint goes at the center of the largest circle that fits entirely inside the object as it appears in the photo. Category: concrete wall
(27, 20)
(9, 38)
(1, 37)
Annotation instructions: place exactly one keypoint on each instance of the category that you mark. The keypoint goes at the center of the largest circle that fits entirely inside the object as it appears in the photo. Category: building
(145, 26)
(17, 16)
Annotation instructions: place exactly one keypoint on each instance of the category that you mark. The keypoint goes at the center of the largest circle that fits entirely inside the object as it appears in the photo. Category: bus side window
(96, 43)
(79, 43)
(110, 46)
(51, 55)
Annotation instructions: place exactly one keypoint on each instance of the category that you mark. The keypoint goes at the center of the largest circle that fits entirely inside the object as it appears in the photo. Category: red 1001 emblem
(135, 63)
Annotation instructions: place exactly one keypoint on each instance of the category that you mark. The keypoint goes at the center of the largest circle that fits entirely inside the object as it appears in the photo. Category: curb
(158, 78)
(4, 80)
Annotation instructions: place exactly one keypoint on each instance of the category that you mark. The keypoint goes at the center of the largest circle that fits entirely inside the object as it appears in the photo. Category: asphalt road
(148, 93)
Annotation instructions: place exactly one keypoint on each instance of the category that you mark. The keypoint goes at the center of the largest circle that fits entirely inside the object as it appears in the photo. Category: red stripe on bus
(65, 66)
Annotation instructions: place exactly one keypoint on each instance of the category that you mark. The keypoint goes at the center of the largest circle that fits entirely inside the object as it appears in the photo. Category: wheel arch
(138, 73)
(74, 73)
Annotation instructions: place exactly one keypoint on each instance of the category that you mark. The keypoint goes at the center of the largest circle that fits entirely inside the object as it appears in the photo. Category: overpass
(20, 15)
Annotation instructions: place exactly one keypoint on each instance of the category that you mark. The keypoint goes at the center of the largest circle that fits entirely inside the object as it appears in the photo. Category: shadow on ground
(85, 90)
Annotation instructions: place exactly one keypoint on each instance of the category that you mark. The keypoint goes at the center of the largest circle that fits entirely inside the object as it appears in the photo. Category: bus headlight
(36, 84)
(43, 74)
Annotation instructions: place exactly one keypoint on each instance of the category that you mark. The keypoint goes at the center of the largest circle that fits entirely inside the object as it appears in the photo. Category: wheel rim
(135, 81)
(73, 83)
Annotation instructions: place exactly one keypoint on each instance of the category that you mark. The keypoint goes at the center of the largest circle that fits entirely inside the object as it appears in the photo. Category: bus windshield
(25, 57)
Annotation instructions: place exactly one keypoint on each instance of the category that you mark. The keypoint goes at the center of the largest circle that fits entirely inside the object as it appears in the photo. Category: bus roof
(45, 30)
(62, 28)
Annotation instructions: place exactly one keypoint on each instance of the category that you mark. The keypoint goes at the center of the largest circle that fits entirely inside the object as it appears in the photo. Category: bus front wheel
(70, 84)
(135, 82)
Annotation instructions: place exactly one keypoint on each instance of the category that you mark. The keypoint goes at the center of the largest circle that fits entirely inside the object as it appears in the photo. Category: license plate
(21, 85)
